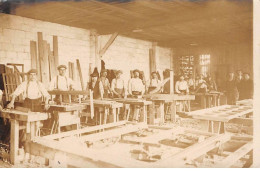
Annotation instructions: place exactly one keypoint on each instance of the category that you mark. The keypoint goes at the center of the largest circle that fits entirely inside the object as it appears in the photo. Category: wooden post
(171, 82)
(40, 54)
(80, 74)
(14, 141)
(55, 51)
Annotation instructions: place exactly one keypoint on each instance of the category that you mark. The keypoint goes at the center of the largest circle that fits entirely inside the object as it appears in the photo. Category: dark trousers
(33, 104)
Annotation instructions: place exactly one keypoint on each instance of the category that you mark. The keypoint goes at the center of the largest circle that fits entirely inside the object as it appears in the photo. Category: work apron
(33, 104)
(120, 91)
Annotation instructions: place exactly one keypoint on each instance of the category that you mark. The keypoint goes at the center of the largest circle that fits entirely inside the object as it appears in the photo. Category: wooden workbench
(216, 117)
(209, 99)
(64, 115)
(17, 119)
(172, 99)
(104, 106)
(136, 106)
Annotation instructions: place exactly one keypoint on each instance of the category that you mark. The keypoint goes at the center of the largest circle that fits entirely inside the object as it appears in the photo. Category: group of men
(239, 86)
(202, 84)
(118, 88)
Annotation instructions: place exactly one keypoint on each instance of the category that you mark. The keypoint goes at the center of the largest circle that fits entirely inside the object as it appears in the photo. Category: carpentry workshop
(129, 83)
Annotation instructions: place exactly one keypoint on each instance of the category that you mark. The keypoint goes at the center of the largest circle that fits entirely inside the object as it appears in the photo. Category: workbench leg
(114, 113)
(222, 128)
(106, 112)
(210, 126)
(136, 113)
(14, 141)
(151, 113)
(127, 111)
(162, 112)
(203, 102)
(173, 111)
(144, 114)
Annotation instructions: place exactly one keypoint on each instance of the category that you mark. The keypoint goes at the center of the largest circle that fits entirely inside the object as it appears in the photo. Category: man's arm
(20, 89)
(177, 87)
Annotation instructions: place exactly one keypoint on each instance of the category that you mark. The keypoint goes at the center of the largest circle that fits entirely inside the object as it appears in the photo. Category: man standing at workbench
(61, 82)
(33, 91)
(135, 85)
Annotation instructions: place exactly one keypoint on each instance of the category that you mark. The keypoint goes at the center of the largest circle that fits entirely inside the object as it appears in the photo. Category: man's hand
(10, 105)
(46, 106)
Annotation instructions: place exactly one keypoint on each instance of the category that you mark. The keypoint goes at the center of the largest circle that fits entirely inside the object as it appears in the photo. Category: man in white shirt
(154, 83)
(118, 86)
(61, 82)
(32, 91)
(135, 85)
(181, 86)
(201, 85)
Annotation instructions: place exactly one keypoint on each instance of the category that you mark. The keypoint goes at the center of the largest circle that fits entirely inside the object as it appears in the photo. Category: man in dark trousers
(247, 87)
(231, 89)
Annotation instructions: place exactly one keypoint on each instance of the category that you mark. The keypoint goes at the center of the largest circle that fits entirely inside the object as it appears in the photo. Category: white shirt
(181, 85)
(135, 84)
(31, 90)
(153, 83)
(64, 83)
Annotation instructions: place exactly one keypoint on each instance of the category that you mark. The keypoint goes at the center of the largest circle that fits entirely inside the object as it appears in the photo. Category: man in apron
(118, 86)
(181, 86)
(33, 92)
(135, 85)
(63, 83)
(104, 85)
(153, 83)
(94, 85)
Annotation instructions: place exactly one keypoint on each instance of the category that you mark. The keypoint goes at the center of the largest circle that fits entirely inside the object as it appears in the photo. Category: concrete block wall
(74, 43)
(128, 54)
(16, 33)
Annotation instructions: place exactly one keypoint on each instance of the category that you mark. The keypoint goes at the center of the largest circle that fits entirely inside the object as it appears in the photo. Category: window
(205, 63)
(186, 64)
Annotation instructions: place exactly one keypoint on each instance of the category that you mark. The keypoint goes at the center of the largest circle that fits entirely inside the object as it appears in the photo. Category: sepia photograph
(129, 83)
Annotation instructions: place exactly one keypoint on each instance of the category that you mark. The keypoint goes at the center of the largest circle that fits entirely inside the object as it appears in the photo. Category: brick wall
(74, 43)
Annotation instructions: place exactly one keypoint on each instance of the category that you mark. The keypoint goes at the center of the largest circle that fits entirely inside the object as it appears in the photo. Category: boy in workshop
(135, 85)
(104, 85)
(181, 86)
(118, 86)
(61, 82)
(154, 84)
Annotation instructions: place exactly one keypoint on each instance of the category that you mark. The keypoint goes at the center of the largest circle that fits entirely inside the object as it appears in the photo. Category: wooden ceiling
(171, 23)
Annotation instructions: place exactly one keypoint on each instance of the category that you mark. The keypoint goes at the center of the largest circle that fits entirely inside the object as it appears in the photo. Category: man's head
(62, 70)
(32, 75)
(94, 77)
(154, 75)
(246, 76)
(231, 75)
(182, 77)
(136, 73)
(104, 73)
(119, 73)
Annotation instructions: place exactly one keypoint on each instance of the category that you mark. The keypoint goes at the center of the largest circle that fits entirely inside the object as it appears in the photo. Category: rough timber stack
(128, 83)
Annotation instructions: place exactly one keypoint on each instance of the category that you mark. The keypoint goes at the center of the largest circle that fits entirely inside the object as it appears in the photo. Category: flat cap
(94, 74)
(62, 66)
(136, 70)
(32, 71)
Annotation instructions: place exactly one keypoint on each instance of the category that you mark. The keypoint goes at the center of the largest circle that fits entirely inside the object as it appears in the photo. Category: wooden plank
(235, 156)
(112, 133)
(55, 52)
(84, 130)
(63, 152)
(74, 92)
(194, 151)
(73, 75)
(40, 54)
(80, 74)
(14, 141)
(108, 44)
(70, 70)
(52, 68)
(45, 65)
(33, 52)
